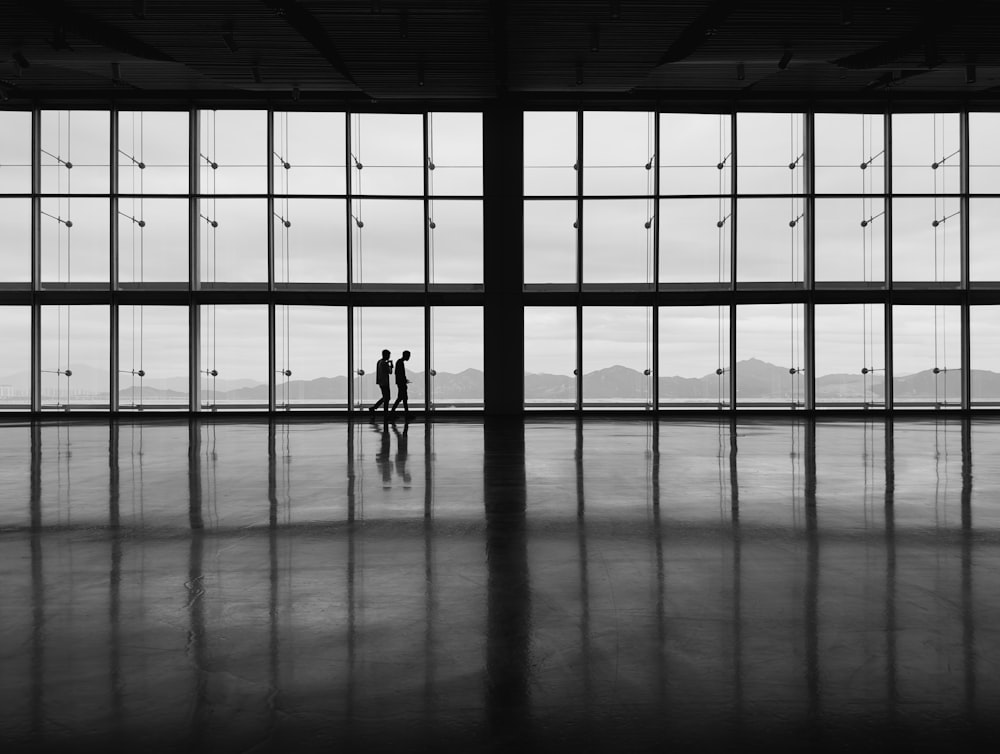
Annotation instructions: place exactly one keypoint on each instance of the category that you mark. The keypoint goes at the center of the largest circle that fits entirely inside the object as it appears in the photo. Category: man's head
(406, 355)
(385, 353)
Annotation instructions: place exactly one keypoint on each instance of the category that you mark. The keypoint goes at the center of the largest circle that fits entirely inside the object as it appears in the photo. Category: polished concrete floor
(545, 585)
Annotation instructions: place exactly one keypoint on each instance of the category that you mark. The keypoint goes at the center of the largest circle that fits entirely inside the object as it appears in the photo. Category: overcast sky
(385, 155)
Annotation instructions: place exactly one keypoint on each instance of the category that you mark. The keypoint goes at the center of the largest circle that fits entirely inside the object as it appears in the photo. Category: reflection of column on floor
(37, 593)
(734, 507)
(195, 590)
(892, 687)
(351, 471)
(812, 578)
(968, 606)
(430, 597)
(581, 537)
(508, 619)
(114, 583)
(661, 633)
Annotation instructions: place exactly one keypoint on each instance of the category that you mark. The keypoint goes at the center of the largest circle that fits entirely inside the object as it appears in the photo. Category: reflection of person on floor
(382, 459)
(401, 383)
(382, 371)
(401, 452)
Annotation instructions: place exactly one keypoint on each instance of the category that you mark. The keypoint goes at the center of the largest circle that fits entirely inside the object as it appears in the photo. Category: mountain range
(758, 380)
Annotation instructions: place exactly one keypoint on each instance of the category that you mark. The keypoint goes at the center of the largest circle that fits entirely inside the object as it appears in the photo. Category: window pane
(618, 241)
(152, 153)
(233, 356)
(153, 357)
(618, 153)
(695, 241)
(549, 356)
(695, 153)
(457, 356)
(309, 152)
(925, 153)
(984, 336)
(694, 355)
(233, 151)
(388, 153)
(771, 153)
(850, 239)
(456, 154)
(395, 329)
(769, 240)
(311, 356)
(310, 241)
(456, 241)
(617, 356)
(15, 152)
(233, 240)
(850, 153)
(15, 344)
(75, 147)
(550, 154)
(926, 239)
(926, 355)
(152, 240)
(15, 240)
(75, 356)
(850, 354)
(984, 153)
(550, 242)
(75, 240)
(984, 239)
(388, 241)
(769, 350)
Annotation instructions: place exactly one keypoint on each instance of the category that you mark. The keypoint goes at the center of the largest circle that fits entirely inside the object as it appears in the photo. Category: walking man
(382, 372)
(401, 383)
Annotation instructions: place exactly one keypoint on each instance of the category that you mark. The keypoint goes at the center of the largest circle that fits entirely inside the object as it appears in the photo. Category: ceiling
(480, 49)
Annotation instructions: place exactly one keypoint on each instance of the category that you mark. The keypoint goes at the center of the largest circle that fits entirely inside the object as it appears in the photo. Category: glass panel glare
(617, 356)
(926, 354)
(387, 154)
(850, 354)
(455, 157)
(549, 356)
(233, 356)
(308, 153)
(153, 152)
(15, 152)
(694, 355)
(455, 241)
(15, 344)
(550, 159)
(457, 356)
(310, 356)
(770, 355)
(15, 240)
(695, 241)
(618, 153)
(850, 240)
(153, 357)
(850, 153)
(75, 356)
(618, 241)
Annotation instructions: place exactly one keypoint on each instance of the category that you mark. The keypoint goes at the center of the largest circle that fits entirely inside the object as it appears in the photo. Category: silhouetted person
(401, 383)
(382, 371)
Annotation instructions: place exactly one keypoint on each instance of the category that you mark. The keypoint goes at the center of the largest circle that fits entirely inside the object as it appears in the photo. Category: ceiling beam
(695, 34)
(310, 29)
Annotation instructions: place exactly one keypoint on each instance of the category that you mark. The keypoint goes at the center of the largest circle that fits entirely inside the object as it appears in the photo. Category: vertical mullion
(733, 282)
(36, 260)
(194, 229)
(349, 252)
(426, 122)
(113, 346)
(655, 346)
(271, 329)
(578, 371)
(809, 320)
(887, 388)
(964, 202)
